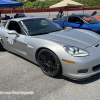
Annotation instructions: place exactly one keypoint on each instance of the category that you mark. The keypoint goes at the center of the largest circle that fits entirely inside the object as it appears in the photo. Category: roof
(78, 15)
(24, 18)
(66, 3)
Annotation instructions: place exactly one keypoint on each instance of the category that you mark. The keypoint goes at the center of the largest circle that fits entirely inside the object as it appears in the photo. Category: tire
(49, 63)
(1, 47)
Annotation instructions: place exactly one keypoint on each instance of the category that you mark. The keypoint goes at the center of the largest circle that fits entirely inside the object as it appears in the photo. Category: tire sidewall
(1, 47)
(59, 68)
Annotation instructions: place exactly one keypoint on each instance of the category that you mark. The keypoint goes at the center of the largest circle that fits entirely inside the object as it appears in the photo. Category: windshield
(39, 26)
(90, 19)
(62, 19)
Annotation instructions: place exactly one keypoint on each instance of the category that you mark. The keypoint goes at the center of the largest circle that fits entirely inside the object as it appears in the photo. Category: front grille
(96, 68)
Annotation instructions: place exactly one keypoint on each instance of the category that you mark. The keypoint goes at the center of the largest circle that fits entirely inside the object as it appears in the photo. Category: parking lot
(18, 74)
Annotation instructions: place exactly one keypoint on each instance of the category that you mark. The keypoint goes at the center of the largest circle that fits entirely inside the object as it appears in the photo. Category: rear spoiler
(95, 12)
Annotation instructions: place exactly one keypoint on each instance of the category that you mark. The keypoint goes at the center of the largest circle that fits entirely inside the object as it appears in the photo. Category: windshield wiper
(44, 33)
(39, 34)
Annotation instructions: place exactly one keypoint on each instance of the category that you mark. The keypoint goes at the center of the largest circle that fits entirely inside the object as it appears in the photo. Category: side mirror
(79, 22)
(13, 32)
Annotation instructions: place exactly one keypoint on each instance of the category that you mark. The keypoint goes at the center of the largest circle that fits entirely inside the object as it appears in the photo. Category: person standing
(16, 16)
(60, 13)
(0, 17)
(6, 17)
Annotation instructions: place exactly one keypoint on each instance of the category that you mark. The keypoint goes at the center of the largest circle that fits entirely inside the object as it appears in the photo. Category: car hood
(94, 26)
(76, 37)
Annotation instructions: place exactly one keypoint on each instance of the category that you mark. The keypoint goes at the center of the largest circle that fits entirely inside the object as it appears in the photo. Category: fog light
(83, 71)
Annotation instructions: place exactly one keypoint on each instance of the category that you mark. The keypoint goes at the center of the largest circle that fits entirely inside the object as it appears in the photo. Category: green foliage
(14, 0)
(89, 3)
(31, 0)
(32, 4)
(39, 4)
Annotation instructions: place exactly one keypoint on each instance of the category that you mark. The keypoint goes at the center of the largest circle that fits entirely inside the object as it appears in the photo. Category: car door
(71, 22)
(13, 42)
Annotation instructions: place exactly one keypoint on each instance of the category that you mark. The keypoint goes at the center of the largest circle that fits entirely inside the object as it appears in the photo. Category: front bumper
(82, 77)
(91, 63)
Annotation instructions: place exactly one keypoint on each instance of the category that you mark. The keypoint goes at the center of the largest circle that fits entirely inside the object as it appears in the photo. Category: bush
(46, 4)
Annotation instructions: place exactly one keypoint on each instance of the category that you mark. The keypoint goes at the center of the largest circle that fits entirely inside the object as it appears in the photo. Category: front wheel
(1, 47)
(49, 63)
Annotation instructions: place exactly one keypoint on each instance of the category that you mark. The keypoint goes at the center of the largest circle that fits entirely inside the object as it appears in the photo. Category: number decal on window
(10, 40)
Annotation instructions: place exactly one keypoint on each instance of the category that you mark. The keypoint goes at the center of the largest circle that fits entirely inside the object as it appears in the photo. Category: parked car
(20, 15)
(71, 52)
(81, 21)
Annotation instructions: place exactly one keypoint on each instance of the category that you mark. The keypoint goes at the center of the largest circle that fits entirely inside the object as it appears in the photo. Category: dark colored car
(20, 15)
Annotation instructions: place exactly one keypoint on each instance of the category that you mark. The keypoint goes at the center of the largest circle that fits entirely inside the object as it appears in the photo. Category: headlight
(75, 51)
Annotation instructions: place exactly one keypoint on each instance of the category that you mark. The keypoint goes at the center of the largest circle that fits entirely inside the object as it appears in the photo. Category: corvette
(74, 53)
(81, 21)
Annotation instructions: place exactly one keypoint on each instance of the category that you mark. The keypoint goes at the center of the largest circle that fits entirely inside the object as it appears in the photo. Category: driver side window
(14, 26)
(74, 19)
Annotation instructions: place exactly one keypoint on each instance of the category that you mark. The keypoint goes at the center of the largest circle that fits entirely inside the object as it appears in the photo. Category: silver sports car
(74, 53)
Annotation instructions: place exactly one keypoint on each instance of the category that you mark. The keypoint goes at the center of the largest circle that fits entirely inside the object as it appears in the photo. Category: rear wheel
(49, 63)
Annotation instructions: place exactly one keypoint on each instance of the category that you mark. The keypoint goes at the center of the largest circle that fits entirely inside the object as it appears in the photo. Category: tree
(31, 0)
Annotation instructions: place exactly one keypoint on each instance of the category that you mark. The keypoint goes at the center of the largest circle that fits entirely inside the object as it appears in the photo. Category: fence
(6, 11)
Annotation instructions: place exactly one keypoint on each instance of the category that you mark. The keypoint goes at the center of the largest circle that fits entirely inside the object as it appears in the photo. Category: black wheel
(1, 47)
(49, 63)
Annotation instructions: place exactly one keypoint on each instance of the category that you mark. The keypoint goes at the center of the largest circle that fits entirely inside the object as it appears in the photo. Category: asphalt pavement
(20, 75)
